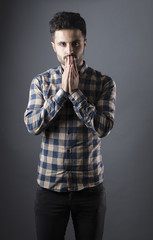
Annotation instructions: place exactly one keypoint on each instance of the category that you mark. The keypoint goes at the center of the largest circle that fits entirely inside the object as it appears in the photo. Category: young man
(73, 107)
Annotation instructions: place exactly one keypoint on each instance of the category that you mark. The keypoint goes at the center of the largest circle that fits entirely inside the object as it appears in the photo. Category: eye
(75, 44)
(62, 44)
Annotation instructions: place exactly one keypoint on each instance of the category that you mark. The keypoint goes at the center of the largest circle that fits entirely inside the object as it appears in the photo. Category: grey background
(120, 40)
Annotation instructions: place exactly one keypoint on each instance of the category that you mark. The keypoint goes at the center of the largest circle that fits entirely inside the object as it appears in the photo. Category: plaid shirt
(72, 127)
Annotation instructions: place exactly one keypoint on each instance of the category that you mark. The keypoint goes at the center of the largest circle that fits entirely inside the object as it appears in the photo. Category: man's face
(69, 42)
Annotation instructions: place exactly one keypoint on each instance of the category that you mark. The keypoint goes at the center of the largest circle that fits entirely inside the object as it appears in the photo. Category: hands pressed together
(70, 77)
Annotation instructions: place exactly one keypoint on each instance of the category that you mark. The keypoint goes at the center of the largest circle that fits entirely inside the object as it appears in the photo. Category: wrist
(65, 89)
(73, 90)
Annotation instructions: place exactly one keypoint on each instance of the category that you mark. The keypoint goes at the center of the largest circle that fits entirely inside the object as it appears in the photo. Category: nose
(69, 49)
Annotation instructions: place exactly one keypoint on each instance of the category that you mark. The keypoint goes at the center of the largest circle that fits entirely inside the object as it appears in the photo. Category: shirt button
(68, 150)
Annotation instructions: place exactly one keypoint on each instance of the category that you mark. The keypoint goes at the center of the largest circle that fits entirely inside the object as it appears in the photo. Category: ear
(53, 45)
(85, 43)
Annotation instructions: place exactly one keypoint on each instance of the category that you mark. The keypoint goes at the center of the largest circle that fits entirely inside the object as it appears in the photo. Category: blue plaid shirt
(72, 127)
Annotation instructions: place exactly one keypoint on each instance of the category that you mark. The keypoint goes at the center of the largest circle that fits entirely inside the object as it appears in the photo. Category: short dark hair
(67, 20)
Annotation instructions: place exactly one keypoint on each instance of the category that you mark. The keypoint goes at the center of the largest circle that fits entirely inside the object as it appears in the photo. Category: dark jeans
(87, 207)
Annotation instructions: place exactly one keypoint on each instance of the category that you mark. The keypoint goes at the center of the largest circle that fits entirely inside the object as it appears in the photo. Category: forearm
(99, 118)
(38, 116)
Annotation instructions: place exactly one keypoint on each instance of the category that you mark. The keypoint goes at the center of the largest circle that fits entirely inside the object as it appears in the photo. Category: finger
(70, 77)
(66, 62)
(75, 67)
(72, 69)
(74, 62)
(71, 59)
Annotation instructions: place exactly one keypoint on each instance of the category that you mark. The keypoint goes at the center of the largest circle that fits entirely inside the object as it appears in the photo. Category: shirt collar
(81, 70)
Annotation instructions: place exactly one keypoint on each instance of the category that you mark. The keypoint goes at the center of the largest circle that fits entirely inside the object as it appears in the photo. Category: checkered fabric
(72, 127)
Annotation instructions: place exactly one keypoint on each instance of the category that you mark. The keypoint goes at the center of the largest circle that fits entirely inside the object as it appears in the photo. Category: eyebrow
(77, 40)
(61, 42)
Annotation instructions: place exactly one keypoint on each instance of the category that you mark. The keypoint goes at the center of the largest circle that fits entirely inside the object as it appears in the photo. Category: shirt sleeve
(41, 111)
(99, 117)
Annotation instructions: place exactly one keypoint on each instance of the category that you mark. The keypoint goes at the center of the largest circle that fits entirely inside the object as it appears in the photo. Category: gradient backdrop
(120, 44)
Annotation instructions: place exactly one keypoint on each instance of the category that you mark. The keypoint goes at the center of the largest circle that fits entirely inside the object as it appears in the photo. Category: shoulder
(46, 76)
(99, 77)
(48, 73)
(94, 72)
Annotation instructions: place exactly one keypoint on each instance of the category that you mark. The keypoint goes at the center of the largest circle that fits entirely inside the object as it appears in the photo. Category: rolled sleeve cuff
(60, 97)
(76, 97)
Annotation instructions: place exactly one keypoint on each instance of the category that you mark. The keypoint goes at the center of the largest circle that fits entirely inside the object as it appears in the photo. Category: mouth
(71, 55)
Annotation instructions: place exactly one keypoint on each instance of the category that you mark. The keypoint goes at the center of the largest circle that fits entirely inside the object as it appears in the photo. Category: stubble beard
(78, 61)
